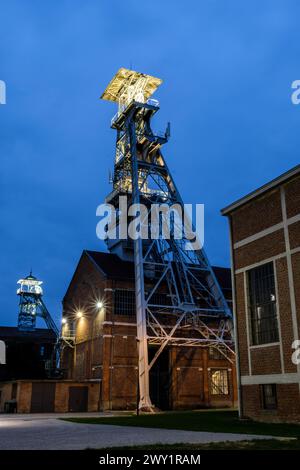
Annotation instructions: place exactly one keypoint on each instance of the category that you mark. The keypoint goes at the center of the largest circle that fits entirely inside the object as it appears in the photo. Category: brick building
(49, 396)
(24, 383)
(265, 247)
(26, 353)
(99, 319)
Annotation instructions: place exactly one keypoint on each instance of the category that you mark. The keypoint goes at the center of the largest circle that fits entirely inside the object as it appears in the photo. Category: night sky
(227, 68)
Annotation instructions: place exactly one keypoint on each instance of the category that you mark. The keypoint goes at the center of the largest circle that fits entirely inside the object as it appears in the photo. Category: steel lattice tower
(178, 299)
(31, 305)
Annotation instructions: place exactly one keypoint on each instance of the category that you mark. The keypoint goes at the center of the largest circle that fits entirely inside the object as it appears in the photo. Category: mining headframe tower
(178, 298)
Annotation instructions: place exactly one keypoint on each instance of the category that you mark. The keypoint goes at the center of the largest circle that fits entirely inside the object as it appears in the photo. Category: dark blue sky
(227, 68)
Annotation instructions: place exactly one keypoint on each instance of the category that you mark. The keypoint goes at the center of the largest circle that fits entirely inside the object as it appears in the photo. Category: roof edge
(87, 252)
(262, 189)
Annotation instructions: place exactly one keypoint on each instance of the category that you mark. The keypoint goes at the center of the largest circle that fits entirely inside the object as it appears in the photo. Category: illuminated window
(219, 382)
(262, 304)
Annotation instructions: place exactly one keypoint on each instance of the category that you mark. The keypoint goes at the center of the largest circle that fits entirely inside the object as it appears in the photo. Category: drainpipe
(235, 323)
(111, 370)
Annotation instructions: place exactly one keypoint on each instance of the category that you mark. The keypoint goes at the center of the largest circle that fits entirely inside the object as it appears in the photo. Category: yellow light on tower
(128, 85)
(79, 314)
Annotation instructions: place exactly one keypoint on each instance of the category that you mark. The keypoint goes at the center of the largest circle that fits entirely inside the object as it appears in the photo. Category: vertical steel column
(143, 364)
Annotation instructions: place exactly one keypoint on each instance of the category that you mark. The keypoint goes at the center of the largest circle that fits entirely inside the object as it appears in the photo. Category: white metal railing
(68, 335)
(153, 102)
(160, 134)
(114, 118)
(150, 101)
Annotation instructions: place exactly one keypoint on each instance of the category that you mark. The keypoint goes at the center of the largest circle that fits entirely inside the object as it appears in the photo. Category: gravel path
(51, 433)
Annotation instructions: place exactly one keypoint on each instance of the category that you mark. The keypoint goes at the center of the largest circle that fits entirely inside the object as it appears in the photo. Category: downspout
(111, 359)
(235, 323)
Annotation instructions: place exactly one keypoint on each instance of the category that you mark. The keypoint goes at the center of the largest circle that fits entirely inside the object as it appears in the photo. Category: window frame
(258, 336)
(264, 405)
(227, 385)
(129, 308)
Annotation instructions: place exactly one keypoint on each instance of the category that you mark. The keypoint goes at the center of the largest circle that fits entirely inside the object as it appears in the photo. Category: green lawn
(202, 420)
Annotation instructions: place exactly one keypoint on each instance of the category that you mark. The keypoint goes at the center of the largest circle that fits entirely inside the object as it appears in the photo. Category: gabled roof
(266, 187)
(114, 267)
(111, 265)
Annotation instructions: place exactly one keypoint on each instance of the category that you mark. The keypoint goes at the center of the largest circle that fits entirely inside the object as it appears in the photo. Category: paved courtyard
(47, 432)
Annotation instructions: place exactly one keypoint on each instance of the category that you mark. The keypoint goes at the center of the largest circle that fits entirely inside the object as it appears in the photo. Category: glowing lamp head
(64, 321)
(79, 314)
(99, 304)
(30, 285)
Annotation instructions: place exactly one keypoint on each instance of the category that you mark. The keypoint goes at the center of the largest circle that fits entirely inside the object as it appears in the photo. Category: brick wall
(296, 275)
(107, 350)
(262, 213)
(288, 404)
(265, 360)
(292, 197)
(5, 389)
(242, 324)
(256, 216)
(24, 397)
(259, 250)
(285, 314)
(294, 235)
(61, 403)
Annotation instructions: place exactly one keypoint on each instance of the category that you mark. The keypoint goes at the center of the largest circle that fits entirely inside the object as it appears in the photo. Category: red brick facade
(106, 349)
(58, 402)
(265, 228)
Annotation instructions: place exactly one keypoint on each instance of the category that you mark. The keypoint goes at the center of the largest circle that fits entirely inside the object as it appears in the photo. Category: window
(219, 382)
(269, 396)
(124, 302)
(262, 305)
(215, 354)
